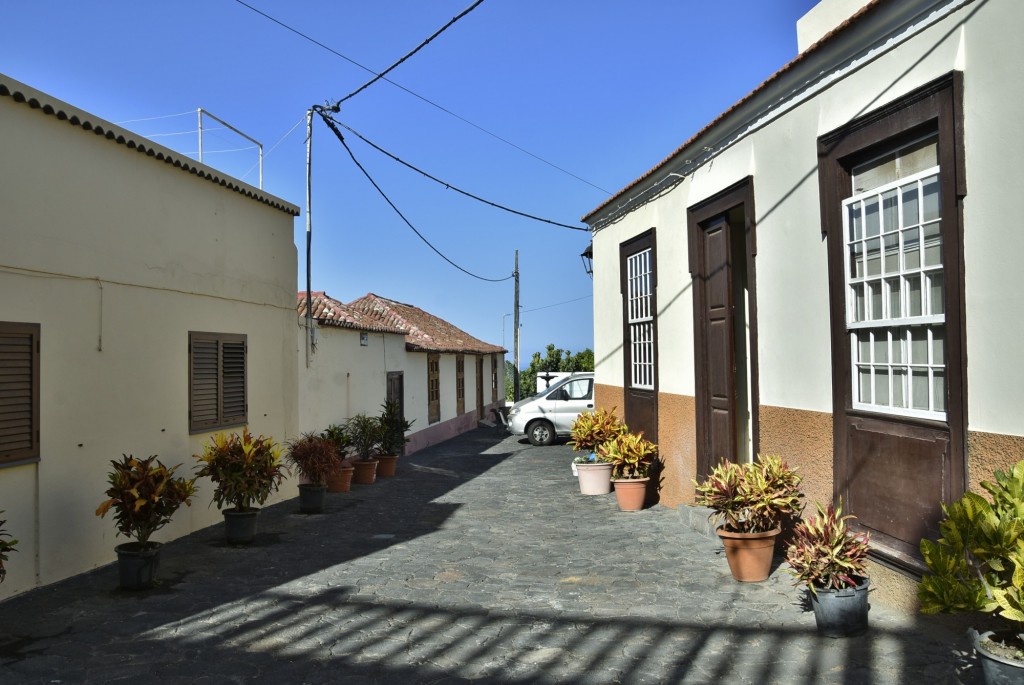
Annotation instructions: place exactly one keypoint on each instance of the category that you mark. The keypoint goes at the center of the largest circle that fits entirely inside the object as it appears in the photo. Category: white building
(809, 274)
(125, 267)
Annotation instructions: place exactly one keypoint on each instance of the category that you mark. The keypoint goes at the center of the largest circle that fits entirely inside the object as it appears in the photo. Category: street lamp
(588, 259)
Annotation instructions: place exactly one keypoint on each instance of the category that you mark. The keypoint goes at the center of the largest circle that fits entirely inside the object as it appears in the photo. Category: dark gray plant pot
(997, 670)
(841, 613)
(240, 526)
(311, 498)
(137, 565)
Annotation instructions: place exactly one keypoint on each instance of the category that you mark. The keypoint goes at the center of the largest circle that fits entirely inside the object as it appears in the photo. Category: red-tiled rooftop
(329, 312)
(424, 332)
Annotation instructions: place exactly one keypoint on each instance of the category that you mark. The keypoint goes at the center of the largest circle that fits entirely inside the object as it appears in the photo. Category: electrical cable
(426, 100)
(341, 138)
(557, 304)
(449, 185)
(407, 56)
(163, 116)
(274, 146)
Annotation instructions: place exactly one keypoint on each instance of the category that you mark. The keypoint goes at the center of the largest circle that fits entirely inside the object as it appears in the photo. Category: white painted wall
(780, 152)
(345, 378)
(118, 256)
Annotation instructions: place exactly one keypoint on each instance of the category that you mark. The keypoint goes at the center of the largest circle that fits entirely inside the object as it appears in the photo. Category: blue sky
(603, 90)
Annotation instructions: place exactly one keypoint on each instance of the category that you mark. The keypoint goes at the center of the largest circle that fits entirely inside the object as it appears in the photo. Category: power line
(341, 138)
(424, 99)
(557, 304)
(163, 116)
(407, 56)
(449, 185)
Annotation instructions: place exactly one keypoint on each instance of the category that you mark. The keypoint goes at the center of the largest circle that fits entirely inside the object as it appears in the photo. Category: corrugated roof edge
(21, 93)
(857, 16)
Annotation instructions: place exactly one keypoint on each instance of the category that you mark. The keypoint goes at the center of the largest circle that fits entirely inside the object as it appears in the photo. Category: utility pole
(309, 234)
(515, 322)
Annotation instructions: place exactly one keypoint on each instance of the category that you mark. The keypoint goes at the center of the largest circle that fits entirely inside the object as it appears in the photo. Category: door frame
(740, 194)
(634, 399)
(935, 107)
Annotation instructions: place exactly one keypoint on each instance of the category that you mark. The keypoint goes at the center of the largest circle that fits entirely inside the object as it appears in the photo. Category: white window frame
(903, 343)
(640, 318)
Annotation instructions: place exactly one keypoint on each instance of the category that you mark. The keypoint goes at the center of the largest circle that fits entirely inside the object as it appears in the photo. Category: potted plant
(315, 458)
(589, 430)
(340, 479)
(831, 560)
(751, 501)
(7, 544)
(393, 428)
(245, 471)
(978, 565)
(364, 432)
(631, 456)
(144, 494)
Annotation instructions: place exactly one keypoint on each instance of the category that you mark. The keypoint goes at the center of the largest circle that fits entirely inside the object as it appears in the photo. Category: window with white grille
(640, 321)
(895, 304)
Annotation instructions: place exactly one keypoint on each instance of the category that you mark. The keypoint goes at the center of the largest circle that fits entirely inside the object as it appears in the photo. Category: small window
(433, 388)
(460, 384)
(640, 318)
(217, 381)
(19, 392)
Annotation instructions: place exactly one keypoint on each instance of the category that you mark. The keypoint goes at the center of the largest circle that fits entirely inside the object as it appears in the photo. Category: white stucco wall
(779, 151)
(117, 256)
(345, 378)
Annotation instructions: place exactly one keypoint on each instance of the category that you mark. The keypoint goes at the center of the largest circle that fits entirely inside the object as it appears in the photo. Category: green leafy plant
(393, 427)
(751, 498)
(7, 545)
(144, 495)
(631, 455)
(246, 470)
(592, 428)
(364, 433)
(978, 562)
(314, 457)
(824, 554)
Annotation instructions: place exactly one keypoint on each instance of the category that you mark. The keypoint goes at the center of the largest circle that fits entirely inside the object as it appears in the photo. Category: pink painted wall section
(446, 430)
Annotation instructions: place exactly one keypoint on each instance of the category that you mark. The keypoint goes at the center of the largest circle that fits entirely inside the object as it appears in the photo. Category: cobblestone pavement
(479, 562)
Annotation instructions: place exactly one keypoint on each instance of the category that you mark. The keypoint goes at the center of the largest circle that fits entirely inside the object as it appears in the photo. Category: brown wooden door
(722, 264)
(715, 309)
(479, 387)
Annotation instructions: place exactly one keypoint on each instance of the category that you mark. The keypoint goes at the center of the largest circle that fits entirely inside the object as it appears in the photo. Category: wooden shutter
(19, 391)
(205, 383)
(233, 403)
(433, 388)
(217, 380)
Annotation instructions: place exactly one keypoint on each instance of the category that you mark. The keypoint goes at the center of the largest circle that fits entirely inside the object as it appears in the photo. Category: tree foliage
(555, 359)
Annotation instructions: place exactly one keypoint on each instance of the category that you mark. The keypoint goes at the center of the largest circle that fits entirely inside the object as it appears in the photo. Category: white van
(551, 412)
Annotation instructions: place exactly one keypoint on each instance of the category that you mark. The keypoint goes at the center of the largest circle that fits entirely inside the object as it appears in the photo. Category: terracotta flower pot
(387, 465)
(340, 480)
(749, 554)
(630, 493)
(365, 471)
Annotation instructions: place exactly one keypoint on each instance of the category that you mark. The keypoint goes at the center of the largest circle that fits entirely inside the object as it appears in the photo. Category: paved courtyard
(480, 562)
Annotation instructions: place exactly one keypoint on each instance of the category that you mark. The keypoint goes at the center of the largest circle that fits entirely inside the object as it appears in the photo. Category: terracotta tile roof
(424, 332)
(857, 16)
(329, 312)
(47, 104)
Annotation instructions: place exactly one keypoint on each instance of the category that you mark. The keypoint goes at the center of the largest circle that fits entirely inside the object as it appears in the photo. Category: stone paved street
(479, 562)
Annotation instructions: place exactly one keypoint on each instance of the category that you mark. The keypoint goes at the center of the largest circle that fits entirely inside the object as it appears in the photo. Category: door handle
(590, 406)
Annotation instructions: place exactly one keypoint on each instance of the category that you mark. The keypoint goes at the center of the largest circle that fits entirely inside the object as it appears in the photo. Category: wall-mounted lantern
(588, 260)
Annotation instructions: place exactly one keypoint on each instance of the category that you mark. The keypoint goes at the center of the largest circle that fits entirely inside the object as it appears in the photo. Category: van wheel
(541, 433)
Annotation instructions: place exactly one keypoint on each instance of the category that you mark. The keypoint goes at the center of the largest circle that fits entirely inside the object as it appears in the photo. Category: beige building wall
(117, 255)
(344, 377)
